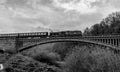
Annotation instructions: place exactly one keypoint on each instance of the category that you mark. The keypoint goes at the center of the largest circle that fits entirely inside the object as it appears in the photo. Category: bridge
(18, 43)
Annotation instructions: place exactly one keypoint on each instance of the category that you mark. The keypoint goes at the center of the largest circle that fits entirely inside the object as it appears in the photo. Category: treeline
(108, 26)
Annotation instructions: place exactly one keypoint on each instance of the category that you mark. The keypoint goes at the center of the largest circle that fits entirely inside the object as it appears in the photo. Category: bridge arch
(67, 40)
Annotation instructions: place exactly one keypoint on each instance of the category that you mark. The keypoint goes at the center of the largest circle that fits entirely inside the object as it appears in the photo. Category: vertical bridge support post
(18, 43)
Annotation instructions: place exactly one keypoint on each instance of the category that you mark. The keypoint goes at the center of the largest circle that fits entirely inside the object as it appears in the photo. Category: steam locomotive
(44, 34)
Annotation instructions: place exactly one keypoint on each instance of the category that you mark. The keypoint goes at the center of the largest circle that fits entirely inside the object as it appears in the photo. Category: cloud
(42, 15)
(91, 8)
(2, 1)
(104, 7)
(115, 3)
(20, 20)
(79, 6)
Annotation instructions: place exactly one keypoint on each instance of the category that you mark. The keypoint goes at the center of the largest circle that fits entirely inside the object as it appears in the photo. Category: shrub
(4, 57)
(47, 57)
(64, 48)
(92, 59)
(37, 49)
(20, 63)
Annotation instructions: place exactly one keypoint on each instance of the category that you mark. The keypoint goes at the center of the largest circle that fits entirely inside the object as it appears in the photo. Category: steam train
(44, 34)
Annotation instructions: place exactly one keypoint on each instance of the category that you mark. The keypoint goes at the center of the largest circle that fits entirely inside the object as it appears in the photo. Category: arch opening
(66, 40)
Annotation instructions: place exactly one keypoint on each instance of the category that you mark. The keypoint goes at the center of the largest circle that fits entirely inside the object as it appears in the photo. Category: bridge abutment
(8, 44)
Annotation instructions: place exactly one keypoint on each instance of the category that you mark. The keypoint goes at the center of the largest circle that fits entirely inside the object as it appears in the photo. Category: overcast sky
(42, 15)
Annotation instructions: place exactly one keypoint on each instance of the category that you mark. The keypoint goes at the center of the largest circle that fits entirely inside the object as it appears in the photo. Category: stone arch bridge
(17, 44)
